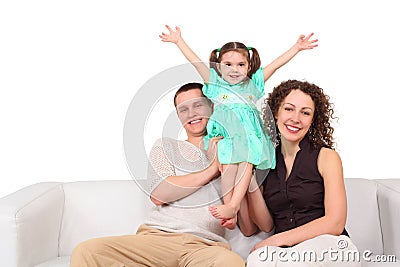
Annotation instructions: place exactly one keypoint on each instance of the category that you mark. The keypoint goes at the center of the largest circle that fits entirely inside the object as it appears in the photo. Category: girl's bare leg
(228, 177)
(235, 193)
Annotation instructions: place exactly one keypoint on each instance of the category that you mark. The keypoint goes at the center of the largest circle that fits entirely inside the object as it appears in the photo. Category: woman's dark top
(299, 199)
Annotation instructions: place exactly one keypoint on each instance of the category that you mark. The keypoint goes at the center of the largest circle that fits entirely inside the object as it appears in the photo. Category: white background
(69, 70)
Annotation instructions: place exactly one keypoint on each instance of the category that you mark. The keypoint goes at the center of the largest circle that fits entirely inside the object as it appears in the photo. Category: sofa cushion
(242, 244)
(389, 203)
(363, 222)
(56, 262)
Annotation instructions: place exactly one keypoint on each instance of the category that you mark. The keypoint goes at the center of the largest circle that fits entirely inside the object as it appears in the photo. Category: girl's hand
(303, 42)
(172, 36)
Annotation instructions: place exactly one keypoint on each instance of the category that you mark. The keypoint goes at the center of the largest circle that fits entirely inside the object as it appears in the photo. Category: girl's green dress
(237, 118)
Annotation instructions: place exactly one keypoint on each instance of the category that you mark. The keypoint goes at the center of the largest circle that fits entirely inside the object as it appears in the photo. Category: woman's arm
(259, 212)
(253, 213)
(176, 38)
(334, 220)
(303, 43)
(246, 225)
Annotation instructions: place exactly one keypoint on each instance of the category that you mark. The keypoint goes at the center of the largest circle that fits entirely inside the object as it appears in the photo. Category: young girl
(234, 83)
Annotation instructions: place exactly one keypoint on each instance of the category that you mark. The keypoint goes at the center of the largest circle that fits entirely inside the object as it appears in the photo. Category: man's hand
(212, 153)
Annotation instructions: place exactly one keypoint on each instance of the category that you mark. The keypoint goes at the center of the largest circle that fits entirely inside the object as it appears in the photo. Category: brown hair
(254, 60)
(187, 87)
(321, 131)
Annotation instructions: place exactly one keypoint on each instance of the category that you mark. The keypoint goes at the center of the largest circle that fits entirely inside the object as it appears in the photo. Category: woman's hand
(172, 36)
(303, 42)
(273, 240)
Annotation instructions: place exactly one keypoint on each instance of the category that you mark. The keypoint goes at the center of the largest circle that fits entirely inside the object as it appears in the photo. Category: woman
(304, 197)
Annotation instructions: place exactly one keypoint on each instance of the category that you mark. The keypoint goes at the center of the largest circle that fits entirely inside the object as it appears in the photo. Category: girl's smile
(233, 67)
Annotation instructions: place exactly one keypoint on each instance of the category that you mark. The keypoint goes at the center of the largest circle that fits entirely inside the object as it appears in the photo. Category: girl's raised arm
(176, 38)
(302, 43)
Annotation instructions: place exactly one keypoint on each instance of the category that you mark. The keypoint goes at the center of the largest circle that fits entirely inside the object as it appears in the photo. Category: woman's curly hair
(321, 131)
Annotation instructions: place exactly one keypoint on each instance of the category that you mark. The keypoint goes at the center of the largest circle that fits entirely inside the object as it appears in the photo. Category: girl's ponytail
(214, 59)
(255, 61)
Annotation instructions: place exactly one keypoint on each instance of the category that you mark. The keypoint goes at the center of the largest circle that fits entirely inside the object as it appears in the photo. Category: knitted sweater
(190, 214)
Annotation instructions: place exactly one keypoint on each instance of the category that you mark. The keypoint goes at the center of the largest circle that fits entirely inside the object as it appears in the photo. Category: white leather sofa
(41, 224)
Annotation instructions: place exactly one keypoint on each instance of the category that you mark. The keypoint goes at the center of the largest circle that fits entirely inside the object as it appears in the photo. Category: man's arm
(175, 187)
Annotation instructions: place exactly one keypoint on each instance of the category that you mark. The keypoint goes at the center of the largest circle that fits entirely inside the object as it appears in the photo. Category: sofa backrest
(100, 208)
(104, 208)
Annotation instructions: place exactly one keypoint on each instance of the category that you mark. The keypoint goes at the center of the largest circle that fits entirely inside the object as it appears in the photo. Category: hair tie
(218, 49)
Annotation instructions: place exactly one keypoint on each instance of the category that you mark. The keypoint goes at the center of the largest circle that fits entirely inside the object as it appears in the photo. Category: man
(180, 230)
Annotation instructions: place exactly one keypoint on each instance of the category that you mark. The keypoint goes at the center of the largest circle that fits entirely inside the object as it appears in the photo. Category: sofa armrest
(389, 212)
(30, 224)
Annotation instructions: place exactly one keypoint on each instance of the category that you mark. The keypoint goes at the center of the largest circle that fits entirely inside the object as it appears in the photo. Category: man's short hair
(188, 87)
